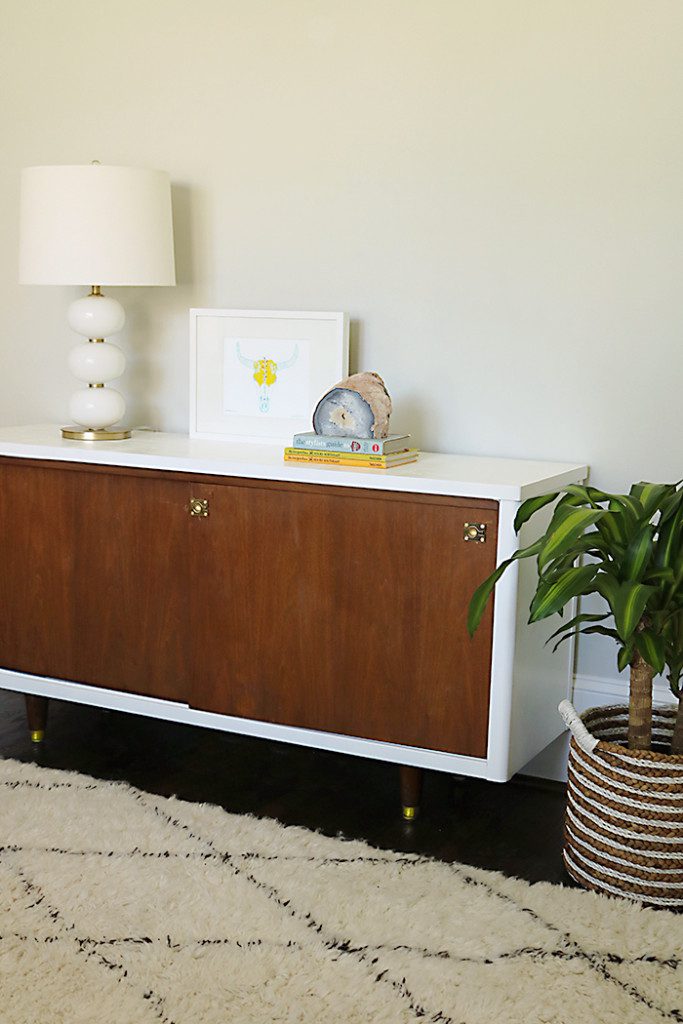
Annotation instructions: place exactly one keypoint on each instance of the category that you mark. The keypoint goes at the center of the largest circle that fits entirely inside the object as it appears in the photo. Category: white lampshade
(93, 224)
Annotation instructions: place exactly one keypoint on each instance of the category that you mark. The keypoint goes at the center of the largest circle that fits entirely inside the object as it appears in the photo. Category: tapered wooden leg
(36, 712)
(411, 791)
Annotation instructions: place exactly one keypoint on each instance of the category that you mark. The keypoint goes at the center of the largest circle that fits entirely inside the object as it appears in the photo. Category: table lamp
(96, 225)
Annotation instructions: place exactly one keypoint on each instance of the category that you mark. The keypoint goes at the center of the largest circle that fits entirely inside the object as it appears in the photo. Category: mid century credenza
(213, 584)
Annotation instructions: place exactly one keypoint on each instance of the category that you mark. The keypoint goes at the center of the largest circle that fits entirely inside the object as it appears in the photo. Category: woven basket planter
(624, 818)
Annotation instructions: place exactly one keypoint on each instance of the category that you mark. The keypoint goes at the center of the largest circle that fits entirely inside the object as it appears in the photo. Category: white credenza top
(467, 476)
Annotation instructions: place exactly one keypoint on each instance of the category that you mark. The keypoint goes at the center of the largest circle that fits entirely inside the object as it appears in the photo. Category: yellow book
(308, 454)
(343, 460)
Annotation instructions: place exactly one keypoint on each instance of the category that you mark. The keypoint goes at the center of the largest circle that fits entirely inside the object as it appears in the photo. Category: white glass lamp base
(96, 316)
(96, 409)
(96, 362)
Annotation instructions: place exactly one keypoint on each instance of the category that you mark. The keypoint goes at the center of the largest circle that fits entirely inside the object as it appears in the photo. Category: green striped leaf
(677, 585)
(637, 557)
(603, 630)
(614, 531)
(608, 586)
(562, 511)
(576, 621)
(593, 542)
(624, 657)
(627, 601)
(635, 546)
(590, 544)
(571, 526)
(629, 504)
(651, 496)
(529, 507)
(632, 600)
(652, 649)
(551, 597)
(586, 495)
(483, 592)
(671, 505)
(655, 575)
(669, 539)
(626, 521)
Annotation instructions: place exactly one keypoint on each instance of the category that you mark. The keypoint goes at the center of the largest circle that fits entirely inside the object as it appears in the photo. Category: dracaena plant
(628, 549)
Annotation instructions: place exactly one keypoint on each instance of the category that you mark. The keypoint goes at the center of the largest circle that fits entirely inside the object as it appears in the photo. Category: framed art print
(256, 375)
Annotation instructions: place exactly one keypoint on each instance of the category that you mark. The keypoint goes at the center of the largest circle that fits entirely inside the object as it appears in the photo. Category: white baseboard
(589, 692)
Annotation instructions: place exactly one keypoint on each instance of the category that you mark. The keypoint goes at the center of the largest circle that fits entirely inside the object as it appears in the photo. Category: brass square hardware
(474, 532)
(199, 507)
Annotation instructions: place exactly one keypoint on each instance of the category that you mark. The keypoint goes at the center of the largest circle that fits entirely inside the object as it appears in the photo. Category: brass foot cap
(37, 735)
(410, 813)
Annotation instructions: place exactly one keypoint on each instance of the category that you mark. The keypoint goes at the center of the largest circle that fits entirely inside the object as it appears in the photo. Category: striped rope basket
(624, 820)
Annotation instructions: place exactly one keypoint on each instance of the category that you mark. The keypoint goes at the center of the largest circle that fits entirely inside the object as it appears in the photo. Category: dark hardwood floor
(515, 828)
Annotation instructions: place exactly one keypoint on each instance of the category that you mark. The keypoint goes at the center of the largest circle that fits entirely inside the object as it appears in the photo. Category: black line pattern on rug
(419, 1011)
(307, 918)
(32, 890)
(594, 961)
(217, 855)
(534, 953)
(77, 786)
(220, 856)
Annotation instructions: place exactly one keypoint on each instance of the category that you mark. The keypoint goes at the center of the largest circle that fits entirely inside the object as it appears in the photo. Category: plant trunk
(677, 738)
(640, 705)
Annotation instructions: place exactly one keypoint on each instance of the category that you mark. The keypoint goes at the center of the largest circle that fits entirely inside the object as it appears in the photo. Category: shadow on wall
(156, 327)
(355, 340)
(182, 233)
(409, 416)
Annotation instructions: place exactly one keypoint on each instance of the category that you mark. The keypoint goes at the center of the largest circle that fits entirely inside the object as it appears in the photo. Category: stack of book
(366, 452)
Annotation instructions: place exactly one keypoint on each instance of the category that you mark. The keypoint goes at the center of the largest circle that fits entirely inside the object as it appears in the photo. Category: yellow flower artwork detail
(265, 373)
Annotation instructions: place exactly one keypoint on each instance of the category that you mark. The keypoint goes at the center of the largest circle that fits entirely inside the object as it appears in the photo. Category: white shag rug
(118, 907)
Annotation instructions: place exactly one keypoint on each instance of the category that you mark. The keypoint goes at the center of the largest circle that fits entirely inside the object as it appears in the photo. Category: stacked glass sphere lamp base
(96, 408)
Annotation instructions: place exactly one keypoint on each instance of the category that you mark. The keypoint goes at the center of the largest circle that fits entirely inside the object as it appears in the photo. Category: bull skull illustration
(265, 373)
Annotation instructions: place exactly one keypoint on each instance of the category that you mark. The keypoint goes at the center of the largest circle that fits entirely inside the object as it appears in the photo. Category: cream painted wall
(493, 190)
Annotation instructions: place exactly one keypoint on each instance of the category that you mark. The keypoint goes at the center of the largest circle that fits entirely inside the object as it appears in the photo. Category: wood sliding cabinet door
(93, 579)
(132, 565)
(342, 610)
(330, 608)
(37, 621)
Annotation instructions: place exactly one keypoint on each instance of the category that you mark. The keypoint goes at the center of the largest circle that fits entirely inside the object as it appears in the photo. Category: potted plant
(624, 818)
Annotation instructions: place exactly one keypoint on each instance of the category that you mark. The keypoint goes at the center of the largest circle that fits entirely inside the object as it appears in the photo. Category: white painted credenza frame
(527, 682)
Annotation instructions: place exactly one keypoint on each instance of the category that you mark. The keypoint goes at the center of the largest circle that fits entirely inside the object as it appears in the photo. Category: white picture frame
(257, 375)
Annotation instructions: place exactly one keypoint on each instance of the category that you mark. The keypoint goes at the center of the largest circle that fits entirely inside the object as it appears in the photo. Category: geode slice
(358, 406)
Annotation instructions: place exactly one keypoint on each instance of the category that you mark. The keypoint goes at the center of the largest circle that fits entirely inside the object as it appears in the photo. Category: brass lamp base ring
(75, 434)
